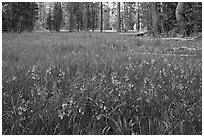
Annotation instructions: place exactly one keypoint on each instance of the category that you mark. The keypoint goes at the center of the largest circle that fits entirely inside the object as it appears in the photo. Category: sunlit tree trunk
(161, 17)
(125, 17)
(181, 18)
(155, 19)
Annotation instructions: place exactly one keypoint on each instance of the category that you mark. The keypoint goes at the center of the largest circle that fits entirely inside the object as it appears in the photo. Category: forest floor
(100, 83)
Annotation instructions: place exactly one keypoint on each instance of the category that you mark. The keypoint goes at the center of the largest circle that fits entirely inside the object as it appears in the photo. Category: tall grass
(100, 83)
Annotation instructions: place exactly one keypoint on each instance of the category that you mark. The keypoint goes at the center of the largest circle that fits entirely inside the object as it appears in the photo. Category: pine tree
(101, 19)
(155, 19)
(49, 20)
(118, 17)
(57, 20)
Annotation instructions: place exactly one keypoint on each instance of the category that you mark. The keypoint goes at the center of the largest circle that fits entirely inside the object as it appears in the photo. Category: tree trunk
(125, 18)
(86, 16)
(138, 17)
(118, 17)
(130, 22)
(93, 16)
(71, 17)
(149, 18)
(155, 19)
(180, 16)
(101, 26)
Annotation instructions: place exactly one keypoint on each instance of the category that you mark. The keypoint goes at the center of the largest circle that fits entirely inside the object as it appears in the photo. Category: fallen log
(140, 34)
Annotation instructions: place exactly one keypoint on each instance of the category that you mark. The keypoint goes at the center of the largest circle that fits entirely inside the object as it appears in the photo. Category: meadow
(100, 83)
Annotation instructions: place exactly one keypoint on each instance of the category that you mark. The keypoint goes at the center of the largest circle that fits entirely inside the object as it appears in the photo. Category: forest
(158, 18)
(102, 68)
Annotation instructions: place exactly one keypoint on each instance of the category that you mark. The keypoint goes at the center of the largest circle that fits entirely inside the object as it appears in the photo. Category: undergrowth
(77, 83)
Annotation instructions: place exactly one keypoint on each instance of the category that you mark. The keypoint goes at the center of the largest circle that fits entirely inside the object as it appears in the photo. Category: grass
(100, 83)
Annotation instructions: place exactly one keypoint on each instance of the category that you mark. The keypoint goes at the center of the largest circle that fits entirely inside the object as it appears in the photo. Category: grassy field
(100, 83)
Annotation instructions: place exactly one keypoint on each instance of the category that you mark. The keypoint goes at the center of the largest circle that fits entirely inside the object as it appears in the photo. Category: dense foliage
(58, 16)
(77, 83)
(54, 21)
(19, 16)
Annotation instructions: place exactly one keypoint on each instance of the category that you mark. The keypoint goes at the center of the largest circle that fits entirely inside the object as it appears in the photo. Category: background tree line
(160, 18)
(19, 16)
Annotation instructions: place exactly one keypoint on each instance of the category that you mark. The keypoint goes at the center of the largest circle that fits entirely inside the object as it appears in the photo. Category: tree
(42, 16)
(138, 16)
(77, 18)
(106, 17)
(147, 15)
(71, 22)
(81, 15)
(78, 13)
(118, 17)
(168, 17)
(188, 16)
(130, 14)
(95, 13)
(125, 23)
(93, 16)
(155, 19)
(74, 15)
(58, 16)
(180, 16)
(86, 21)
(33, 15)
(6, 16)
(196, 16)
(19, 16)
(101, 26)
(49, 20)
